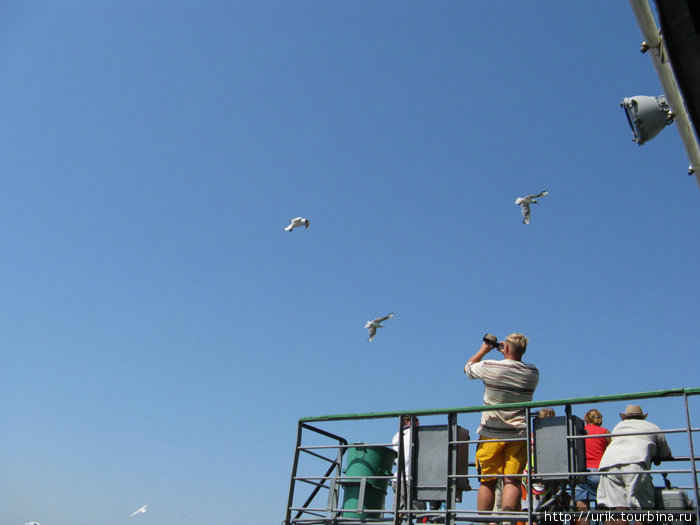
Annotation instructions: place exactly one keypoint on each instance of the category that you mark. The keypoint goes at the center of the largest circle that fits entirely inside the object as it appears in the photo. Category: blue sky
(162, 333)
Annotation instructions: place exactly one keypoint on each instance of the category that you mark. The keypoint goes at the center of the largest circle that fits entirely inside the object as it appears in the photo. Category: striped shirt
(505, 381)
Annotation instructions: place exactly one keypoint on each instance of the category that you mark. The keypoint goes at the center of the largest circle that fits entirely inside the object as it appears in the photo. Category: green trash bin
(366, 461)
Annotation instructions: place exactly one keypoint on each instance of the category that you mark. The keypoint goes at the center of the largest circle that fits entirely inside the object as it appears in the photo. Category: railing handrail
(336, 479)
(672, 392)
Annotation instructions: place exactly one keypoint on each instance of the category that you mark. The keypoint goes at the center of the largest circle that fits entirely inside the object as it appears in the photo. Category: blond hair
(594, 417)
(518, 342)
(546, 412)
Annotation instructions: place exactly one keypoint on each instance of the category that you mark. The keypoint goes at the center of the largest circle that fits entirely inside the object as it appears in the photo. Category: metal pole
(400, 475)
(530, 451)
(338, 474)
(571, 451)
(452, 458)
(290, 501)
(693, 467)
(411, 489)
(659, 56)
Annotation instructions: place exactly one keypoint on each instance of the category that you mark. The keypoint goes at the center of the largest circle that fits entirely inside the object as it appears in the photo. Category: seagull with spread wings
(525, 202)
(140, 511)
(376, 323)
(297, 222)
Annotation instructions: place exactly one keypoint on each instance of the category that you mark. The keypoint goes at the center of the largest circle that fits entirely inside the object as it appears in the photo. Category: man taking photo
(508, 380)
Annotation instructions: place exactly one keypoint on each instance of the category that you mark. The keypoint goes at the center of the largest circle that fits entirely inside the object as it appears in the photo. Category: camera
(493, 341)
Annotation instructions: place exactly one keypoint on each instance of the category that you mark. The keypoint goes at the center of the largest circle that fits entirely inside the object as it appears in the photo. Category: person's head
(406, 421)
(546, 412)
(593, 417)
(515, 346)
(633, 412)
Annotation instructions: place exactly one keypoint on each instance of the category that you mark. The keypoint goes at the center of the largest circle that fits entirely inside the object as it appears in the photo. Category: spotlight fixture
(647, 116)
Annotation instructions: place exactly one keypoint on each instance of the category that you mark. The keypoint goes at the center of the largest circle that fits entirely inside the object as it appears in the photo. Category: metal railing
(320, 506)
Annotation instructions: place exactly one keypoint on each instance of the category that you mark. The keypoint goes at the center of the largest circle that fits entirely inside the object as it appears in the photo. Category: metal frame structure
(310, 512)
(654, 43)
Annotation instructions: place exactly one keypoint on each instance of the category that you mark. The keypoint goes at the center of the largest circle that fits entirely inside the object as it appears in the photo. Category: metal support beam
(693, 466)
(295, 466)
(653, 42)
(451, 495)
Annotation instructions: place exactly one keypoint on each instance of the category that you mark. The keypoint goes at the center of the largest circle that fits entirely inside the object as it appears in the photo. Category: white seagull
(376, 323)
(296, 223)
(140, 511)
(525, 204)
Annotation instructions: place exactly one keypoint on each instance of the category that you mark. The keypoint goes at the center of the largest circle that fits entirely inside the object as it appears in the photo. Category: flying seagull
(140, 511)
(296, 223)
(525, 204)
(376, 323)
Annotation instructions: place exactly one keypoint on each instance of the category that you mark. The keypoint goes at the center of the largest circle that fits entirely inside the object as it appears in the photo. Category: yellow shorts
(500, 457)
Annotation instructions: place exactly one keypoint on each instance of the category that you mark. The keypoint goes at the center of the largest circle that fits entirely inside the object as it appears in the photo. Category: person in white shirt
(406, 482)
(626, 486)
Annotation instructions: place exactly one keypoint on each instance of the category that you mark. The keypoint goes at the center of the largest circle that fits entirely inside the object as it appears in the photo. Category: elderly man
(505, 381)
(626, 486)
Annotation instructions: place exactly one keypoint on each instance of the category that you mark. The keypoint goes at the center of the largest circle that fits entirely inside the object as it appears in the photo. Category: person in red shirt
(586, 491)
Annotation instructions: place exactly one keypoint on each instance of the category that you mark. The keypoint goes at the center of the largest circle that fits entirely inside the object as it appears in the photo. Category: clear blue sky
(162, 333)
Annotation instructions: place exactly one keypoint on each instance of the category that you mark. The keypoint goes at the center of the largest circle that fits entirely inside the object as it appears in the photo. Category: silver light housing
(647, 116)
